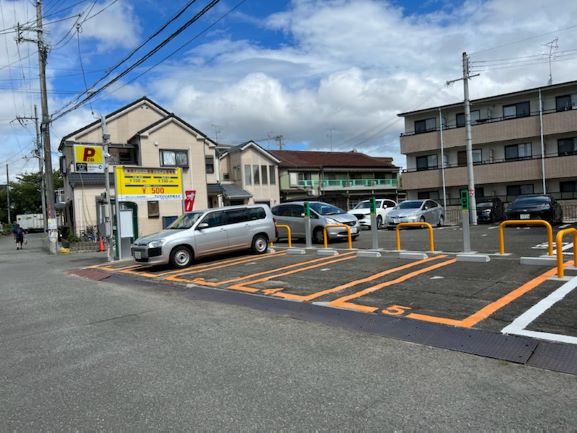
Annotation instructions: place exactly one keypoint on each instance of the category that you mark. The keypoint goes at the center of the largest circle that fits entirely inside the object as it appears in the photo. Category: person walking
(19, 236)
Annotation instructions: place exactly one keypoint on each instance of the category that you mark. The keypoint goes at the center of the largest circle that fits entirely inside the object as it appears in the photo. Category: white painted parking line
(493, 227)
(517, 327)
(564, 226)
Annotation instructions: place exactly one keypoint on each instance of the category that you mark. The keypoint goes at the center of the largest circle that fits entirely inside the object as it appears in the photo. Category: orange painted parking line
(218, 265)
(343, 301)
(243, 287)
(107, 266)
(323, 260)
(310, 297)
(140, 274)
(490, 309)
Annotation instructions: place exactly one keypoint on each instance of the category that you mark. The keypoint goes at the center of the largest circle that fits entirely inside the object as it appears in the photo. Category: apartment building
(523, 142)
(340, 178)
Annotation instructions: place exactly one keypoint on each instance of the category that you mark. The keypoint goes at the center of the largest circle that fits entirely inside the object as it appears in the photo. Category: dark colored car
(542, 207)
(489, 210)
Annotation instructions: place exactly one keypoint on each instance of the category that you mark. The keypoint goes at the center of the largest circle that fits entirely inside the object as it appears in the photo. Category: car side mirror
(202, 226)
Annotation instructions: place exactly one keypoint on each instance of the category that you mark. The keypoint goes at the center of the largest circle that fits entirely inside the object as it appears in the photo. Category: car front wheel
(379, 222)
(259, 244)
(181, 257)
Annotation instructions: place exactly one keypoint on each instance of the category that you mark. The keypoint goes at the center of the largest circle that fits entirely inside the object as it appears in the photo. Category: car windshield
(531, 201)
(367, 204)
(326, 209)
(484, 205)
(185, 221)
(416, 204)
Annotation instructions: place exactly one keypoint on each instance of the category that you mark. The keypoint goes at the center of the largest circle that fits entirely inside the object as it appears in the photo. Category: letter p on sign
(89, 153)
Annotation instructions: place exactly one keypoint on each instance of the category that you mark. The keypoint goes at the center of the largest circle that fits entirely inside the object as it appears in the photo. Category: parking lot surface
(501, 296)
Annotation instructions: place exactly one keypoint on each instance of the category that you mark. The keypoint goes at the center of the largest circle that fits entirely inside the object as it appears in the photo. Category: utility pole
(44, 126)
(8, 195)
(37, 153)
(40, 154)
(468, 138)
(108, 211)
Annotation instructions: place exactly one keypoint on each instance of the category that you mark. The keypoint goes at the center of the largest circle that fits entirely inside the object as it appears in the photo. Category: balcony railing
(348, 183)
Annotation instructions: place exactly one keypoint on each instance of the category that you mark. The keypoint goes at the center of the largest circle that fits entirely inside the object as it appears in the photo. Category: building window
(168, 220)
(122, 156)
(518, 151)
(567, 146)
(174, 158)
(264, 174)
(425, 125)
(475, 115)
(515, 190)
(568, 186)
(153, 209)
(247, 174)
(424, 195)
(462, 157)
(520, 109)
(427, 162)
(256, 174)
(272, 174)
(209, 164)
(563, 103)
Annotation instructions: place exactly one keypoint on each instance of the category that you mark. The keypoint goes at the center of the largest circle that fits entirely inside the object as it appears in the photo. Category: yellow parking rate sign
(88, 158)
(140, 183)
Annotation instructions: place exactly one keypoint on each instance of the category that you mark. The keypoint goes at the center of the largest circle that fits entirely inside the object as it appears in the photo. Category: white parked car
(363, 212)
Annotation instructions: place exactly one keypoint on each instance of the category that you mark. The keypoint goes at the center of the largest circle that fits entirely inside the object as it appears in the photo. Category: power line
(199, 34)
(149, 54)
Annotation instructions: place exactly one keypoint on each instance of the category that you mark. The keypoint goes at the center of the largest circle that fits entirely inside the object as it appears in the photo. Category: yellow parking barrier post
(289, 233)
(326, 235)
(559, 241)
(428, 226)
(530, 223)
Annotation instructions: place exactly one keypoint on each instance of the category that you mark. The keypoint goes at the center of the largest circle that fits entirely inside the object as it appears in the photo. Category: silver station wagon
(208, 232)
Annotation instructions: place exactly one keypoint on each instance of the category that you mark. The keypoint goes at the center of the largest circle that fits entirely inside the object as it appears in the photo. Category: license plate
(137, 255)
(525, 216)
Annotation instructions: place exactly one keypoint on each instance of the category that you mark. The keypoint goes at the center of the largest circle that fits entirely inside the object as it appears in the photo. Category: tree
(25, 195)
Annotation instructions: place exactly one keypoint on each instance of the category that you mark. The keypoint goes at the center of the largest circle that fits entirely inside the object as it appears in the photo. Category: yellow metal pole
(560, 270)
(502, 238)
(289, 233)
(326, 236)
(549, 237)
(398, 232)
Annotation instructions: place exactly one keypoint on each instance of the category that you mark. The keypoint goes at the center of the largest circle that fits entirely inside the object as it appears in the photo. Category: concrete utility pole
(45, 130)
(38, 154)
(468, 138)
(469, 143)
(8, 195)
(108, 211)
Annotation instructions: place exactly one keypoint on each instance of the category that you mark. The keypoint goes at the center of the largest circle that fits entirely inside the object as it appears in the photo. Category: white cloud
(343, 72)
(355, 65)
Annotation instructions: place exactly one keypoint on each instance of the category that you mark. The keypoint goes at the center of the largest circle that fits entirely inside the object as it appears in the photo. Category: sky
(323, 74)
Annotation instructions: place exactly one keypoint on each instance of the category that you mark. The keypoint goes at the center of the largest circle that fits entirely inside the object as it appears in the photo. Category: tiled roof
(311, 159)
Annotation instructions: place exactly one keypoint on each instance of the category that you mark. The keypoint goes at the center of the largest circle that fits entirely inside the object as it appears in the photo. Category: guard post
(464, 199)
(308, 234)
(374, 228)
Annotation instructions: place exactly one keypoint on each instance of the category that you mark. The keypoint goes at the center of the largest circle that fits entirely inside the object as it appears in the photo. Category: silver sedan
(416, 211)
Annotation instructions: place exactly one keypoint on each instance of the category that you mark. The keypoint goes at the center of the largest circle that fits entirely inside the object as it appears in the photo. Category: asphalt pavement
(85, 355)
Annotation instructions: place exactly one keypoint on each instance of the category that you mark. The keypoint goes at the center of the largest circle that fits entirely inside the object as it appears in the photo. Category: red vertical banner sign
(189, 196)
